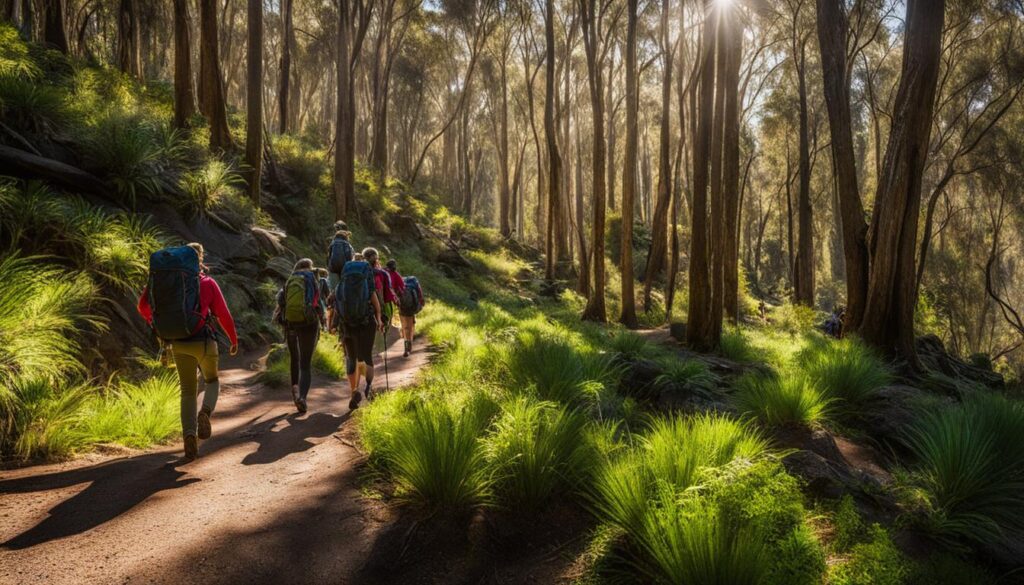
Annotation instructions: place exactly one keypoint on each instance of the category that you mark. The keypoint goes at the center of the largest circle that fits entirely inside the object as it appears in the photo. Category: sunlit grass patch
(847, 372)
(536, 451)
(779, 400)
(135, 414)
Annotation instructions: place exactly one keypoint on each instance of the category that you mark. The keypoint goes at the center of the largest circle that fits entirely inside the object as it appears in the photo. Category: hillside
(530, 447)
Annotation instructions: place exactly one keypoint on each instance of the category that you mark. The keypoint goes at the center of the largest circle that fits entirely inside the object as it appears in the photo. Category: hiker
(410, 302)
(339, 251)
(300, 311)
(357, 311)
(833, 326)
(382, 282)
(186, 312)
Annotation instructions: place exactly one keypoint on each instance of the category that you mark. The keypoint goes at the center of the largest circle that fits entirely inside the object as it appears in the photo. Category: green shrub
(780, 400)
(758, 493)
(435, 455)
(558, 370)
(41, 311)
(630, 346)
(695, 543)
(127, 150)
(677, 448)
(794, 319)
(536, 452)
(797, 559)
(30, 107)
(847, 372)
(135, 414)
(207, 185)
(329, 358)
(377, 422)
(686, 374)
(970, 470)
(848, 528)
(875, 562)
(735, 346)
(14, 54)
(45, 417)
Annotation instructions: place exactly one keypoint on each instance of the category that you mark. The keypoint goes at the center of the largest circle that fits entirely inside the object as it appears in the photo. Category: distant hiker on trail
(358, 313)
(339, 251)
(300, 311)
(833, 326)
(382, 282)
(410, 302)
(185, 312)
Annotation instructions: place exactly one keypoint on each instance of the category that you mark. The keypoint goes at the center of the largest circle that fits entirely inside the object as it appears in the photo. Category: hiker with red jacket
(184, 305)
(300, 310)
(409, 299)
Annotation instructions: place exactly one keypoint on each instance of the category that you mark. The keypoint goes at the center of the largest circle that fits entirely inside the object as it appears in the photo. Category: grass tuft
(780, 400)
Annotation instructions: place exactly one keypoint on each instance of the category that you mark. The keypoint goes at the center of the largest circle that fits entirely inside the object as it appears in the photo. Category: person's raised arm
(219, 307)
(143, 307)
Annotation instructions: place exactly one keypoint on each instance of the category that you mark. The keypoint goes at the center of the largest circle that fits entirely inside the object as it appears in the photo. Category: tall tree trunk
(888, 321)
(583, 282)
(659, 227)
(612, 135)
(211, 99)
(285, 68)
(718, 237)
(595, 309)
(129, 51)
(184, 94)
(804, 272)
(54, 31)
(344, 148)
(504, 195)
(552, 246)
(254, 101)
(699, 330)
(731, 166)
(629, 172)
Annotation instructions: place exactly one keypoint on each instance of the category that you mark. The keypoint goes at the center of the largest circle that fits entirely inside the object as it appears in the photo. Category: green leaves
(970, 470)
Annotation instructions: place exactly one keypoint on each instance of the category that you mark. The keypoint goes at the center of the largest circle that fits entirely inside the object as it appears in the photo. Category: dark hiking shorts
(358, 341)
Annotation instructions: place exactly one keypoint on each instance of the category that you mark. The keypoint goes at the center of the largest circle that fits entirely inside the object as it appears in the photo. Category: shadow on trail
(276, 445)
(315, 539)
(115, 487)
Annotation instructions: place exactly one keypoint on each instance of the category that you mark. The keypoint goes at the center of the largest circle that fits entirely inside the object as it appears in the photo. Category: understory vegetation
(681, 462)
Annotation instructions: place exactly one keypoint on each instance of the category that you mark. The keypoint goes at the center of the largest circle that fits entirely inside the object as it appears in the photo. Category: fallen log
(25, 165)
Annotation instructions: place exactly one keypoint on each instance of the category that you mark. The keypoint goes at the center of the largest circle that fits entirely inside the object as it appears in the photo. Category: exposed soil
(275, 497)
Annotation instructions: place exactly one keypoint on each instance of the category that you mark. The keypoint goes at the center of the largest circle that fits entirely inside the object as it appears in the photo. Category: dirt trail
(273, 498)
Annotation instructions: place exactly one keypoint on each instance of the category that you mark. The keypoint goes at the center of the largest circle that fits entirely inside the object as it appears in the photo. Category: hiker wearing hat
(339, 251)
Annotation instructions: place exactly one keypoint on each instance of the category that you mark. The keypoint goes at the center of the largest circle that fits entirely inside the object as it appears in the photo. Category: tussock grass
(554, 367)
(779, 400)
(969, 473)
(847, 372)
(536, 452)
(686, 374)
(135, 414)
(44, 417)
(435, 455)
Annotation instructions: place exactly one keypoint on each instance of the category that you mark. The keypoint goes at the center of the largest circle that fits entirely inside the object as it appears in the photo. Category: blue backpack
(411, 300)
(352, 297)
(339, 254)
(174, 293)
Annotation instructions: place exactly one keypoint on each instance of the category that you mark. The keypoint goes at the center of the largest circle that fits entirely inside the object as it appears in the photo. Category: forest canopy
(855, 153)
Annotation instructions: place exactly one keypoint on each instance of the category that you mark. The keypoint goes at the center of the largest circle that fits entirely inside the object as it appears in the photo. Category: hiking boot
(357, 397)
(301, 405)
(408, 349)
(369, 394)
(191, 447)
(204, 424)
(295, 395)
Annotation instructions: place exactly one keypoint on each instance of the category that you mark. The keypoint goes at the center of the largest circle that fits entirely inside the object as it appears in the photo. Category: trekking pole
(387, 384)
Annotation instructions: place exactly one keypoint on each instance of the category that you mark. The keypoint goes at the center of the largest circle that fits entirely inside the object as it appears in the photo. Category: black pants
(358, 342)
(301, 343)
